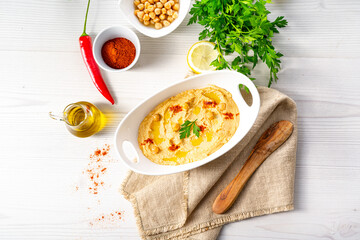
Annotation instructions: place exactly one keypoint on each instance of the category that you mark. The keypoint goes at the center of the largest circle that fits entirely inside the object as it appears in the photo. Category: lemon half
(200, 56)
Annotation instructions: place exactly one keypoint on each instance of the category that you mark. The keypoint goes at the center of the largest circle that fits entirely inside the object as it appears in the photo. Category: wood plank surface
(41, 163)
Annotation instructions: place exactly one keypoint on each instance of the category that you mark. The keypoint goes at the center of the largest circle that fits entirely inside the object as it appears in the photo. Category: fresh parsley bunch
(241, 27)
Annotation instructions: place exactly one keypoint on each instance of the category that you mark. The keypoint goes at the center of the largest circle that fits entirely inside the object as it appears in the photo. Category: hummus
(216, 115)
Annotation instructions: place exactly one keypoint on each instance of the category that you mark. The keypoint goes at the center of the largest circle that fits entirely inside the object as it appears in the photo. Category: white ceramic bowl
(127, 9)
(111, 33)
(126, 136)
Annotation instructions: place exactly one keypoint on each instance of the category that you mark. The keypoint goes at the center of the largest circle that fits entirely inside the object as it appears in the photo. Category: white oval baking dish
(126, 136)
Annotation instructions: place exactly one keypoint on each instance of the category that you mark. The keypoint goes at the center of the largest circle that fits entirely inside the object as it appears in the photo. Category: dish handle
(243, 106)
(125, 143)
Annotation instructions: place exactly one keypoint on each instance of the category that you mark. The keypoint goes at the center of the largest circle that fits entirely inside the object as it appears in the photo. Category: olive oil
(156, 132)
(172, 159)
(83, 119)
(75, 116)
(209, 136)
(213, 96)
(181, 154)
(196, 110)
(197, 141)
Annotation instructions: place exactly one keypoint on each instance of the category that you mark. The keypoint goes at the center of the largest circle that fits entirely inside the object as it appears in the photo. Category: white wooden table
(41, 163)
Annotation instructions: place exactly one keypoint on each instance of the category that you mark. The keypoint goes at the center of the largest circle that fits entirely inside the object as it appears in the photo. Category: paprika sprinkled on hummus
(176, 108)
(174, 147)
(189, 126)
(202, 128)
(149, 140)
(209, 104)
(229, 115)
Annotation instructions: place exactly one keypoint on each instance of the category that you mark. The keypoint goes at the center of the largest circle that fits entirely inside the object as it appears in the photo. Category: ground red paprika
(118, 53)
(96, 168)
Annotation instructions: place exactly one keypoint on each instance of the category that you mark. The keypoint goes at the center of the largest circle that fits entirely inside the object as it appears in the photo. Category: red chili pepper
(92, 67)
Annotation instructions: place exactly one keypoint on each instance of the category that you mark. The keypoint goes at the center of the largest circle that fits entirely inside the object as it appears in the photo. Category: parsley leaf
(242, 28)
(196, 130)
(185, 129)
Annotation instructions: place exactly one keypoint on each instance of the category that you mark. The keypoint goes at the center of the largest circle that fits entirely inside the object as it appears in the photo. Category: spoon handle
(271, 139)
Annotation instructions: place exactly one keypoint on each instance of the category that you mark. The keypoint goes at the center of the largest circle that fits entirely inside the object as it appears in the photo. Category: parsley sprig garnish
(185, 129)
(241, 27)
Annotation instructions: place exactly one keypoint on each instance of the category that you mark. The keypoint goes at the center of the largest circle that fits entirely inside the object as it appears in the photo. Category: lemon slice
(200, 55)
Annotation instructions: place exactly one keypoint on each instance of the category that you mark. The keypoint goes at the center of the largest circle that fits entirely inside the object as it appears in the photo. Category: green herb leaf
(196, 130)
(241, 28)
(242, 86)
(185, 129)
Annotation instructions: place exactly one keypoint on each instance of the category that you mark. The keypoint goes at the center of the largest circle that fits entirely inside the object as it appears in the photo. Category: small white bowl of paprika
(116, 49)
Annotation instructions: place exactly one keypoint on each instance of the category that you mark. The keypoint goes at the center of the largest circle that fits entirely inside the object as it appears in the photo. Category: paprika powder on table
(118, 53)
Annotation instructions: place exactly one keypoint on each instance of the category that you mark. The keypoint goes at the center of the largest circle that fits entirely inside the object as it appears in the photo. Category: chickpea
(156, 1)
(136, 12)
(146, 22)
(152, 21)
(154, 149)
(152, 15)
(158, 25)
(143, 1)
(157, 11)
(171, 2)
(176, 1)
(146, 17)
(137, 2)
(140, 14)
(210, 115)
(222, 106)
(151, 1)
(151, 8)
(159, 5)
(170, 19)
(156, 19)
(141, 6)
(175, 15)
(163, 1)
(166, 23)
(147, 4)
(176, 7)
(167, 5)
(169, 12)
(146, 11)
(156, 117)
(163, 10)
(162, 16)
(141, 20)
(174, 126)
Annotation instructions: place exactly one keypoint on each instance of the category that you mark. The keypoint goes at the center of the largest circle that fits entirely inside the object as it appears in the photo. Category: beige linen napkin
(179, 205)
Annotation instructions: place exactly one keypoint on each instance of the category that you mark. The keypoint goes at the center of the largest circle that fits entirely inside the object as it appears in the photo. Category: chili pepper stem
(87, 10)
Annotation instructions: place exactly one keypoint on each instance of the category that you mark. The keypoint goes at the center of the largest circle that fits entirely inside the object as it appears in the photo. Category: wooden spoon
(271, 139)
